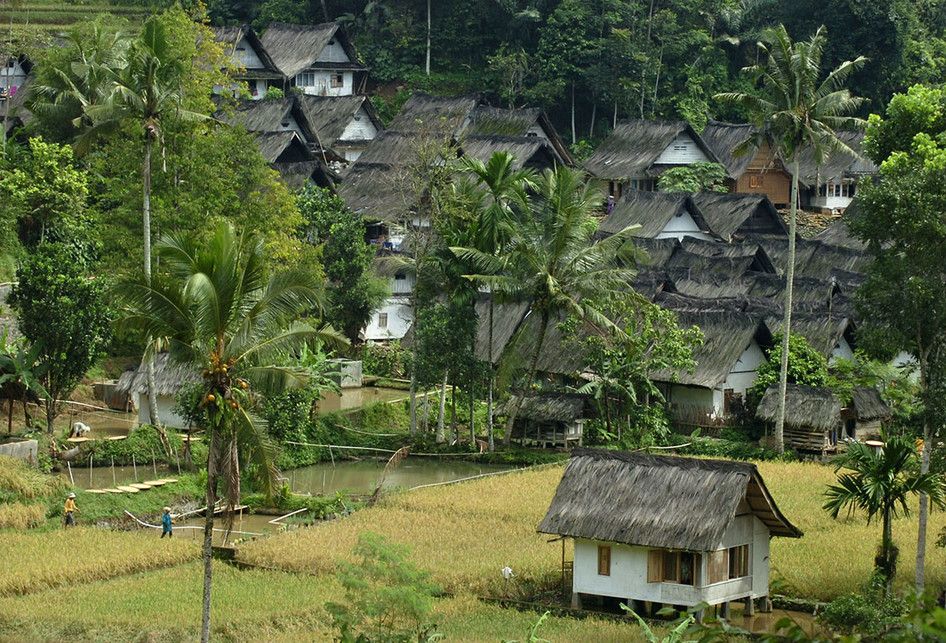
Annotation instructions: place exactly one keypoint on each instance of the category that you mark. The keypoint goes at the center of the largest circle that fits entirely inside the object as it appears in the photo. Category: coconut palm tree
(554, 263)
(880, 482)
(796, 109)
(221, 313)
(504, 197)
(148, 90)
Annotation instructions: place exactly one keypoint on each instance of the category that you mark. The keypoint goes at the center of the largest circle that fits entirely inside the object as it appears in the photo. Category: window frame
(336, 81)
(383, 321)
(604, 560)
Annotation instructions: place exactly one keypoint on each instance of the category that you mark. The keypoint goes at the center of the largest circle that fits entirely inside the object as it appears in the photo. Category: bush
(386, 360)
(869, 614)
(142, 444)
(730, 449)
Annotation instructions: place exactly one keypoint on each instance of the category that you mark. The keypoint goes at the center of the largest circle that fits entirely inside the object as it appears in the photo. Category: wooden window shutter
(717, 568)
(604, 560)
(655, 566)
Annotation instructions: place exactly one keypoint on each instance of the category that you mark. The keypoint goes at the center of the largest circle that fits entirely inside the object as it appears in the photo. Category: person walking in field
(166, 523)
(70, 510)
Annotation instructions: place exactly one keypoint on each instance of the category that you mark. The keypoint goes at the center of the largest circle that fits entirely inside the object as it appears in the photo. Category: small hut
(547, 419)
(812, 417)
(665, 530)
(865, 416)
(169, 378)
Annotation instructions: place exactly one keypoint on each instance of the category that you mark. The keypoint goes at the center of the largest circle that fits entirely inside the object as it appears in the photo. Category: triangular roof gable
(652, 211)
(295, 48)
(658, 501)
(231, 36)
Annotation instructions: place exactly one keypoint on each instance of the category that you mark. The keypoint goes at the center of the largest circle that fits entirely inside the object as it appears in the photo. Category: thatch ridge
(806, 407)
(657, 501)
(294, 48)
(545, 407)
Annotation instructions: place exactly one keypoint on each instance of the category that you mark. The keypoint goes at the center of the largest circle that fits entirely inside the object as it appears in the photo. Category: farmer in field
(166, 523)
(70, 510)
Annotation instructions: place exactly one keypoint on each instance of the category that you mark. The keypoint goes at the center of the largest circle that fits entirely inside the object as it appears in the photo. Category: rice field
(35, 561)
(464, 534)
(164, 605)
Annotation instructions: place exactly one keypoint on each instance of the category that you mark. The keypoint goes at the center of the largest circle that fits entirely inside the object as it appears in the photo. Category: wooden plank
(140, 486)
(128, 489)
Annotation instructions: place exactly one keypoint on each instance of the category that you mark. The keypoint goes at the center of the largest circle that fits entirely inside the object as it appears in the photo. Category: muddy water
(353, 398)
(362, 476)
(762, 623)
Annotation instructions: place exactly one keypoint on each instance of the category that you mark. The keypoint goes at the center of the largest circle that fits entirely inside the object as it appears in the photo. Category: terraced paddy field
(93, 584)
(54, 17)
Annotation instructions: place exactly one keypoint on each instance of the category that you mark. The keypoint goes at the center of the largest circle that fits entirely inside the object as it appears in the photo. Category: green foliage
(142, 444)
(353, 291)
(388, 107)
(387, 598)
(869, 614)
(388, 360)
(805, 366)
(274, 93)
(696, 177)
(43, 198)
(735, 448)
(64, 313)
(95, 508)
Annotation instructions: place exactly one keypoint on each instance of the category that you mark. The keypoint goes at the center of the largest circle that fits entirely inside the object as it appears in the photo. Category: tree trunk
(530, 378)
(923, 516)
(146, 234)
(50, 407)
(453, 414)
(427, 66)
(472, 419)
(413, 399)
(886, 549)
(787, 324)
(442, 410)
(614, 119)
(207, 551)
(574, 135)
(10, 417)
(427, 410)
(594, 113)
(492, 383)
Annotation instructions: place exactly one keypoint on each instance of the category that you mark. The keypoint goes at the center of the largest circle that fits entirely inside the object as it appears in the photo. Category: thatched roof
(530, 151)
(657, 501)
(295, 48)
(839, 164)
(230, 37)
(822, 331)
(270, 115)
(169, 377)
(652, 211)
(524, 121)
(726, 336)
(506, 320)
(438, 115)
(658, 251)
(371, 190)
(838, 234)
(716, 250)
(330, 115)
(868, 404)
(295, 174)
(724, 139)
(545, 407)
(739, 214)
(806, 407)
(634, 146)
(282, 147)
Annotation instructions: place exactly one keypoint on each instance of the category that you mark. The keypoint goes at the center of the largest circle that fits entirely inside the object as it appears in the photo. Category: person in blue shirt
(166, 523)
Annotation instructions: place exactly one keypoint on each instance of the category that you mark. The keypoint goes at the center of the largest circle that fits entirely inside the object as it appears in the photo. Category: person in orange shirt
(70, 510)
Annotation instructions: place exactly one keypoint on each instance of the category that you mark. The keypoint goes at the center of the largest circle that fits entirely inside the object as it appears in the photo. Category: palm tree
(219, 312)
(796, 110)
(148, 90)
(503, 198)
(880, 482)
(554, 263)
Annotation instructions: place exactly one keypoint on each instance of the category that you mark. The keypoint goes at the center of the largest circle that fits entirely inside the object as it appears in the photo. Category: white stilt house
(665, 530)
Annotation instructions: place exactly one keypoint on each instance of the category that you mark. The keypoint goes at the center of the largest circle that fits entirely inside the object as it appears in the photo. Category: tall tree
(903, 215)
(62, 312)
(148, 90)
(503, 200)
(797, 109)
(880, 482)
(221, 314)
(554, 263)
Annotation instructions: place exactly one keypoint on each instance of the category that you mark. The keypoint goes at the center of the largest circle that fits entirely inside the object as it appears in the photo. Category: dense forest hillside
(588, 62)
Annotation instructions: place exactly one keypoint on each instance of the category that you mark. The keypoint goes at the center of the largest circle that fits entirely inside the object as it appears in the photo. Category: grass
(96, 507)
(464, 534)
(164, 605)
(34, 561)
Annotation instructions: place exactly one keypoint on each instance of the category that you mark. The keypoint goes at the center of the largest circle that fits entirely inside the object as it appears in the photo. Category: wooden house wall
(802, 439)
(682, 151)
(333, 53)
(765, 175)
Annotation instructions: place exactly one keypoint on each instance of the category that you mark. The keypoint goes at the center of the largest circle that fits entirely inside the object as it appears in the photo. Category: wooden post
(576, 600)
(768, 605)
(750, 606)
(725, 610)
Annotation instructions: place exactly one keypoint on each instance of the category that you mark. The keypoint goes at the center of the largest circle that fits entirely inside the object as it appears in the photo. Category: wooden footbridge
(135, 487)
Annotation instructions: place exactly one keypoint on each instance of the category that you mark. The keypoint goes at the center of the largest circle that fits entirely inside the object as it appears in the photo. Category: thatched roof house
(812, 417)
(169, 378)
(244, 47)
(639, 149)
(666, 529)
(297, 48)
(838, 233)
(869, 405)
(660, 215)
(547, 419)
(271, 115)
(346, 124)
(750, 171)
(527, 122)
(737, 215)
(726, 139)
